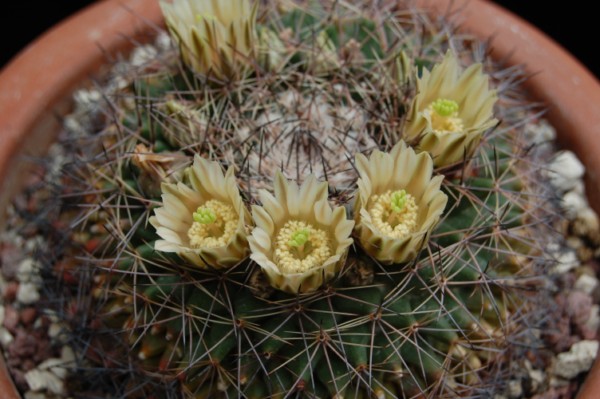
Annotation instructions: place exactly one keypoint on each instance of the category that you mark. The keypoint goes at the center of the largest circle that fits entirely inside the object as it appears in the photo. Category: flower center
(394, 213)
(299, 247)
(443, 114)
(214, 224)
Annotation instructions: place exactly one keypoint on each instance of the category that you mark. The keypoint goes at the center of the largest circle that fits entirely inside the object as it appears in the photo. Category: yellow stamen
(214, 224)
(299, 247)
(389, 217)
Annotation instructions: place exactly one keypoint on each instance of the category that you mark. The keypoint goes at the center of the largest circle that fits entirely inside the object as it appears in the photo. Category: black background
(569, 23)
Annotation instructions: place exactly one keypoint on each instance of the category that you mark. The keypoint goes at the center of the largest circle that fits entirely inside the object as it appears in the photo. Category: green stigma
(444, 107)
(299, 238)
(204, 215)
(398, 201)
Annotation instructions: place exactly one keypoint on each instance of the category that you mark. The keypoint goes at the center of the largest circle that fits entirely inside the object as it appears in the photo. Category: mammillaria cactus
(345, 117)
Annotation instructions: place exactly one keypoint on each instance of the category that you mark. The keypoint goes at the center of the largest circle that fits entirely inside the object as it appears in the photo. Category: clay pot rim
(564, 86)
(31, 98)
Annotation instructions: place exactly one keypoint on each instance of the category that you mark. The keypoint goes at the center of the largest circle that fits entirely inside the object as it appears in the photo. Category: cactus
(431, 308)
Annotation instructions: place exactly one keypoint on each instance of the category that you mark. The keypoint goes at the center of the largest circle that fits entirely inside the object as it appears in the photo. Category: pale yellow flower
(398, 203)
(451, 111)
(214, 36)
(299, 241)
(205, 221)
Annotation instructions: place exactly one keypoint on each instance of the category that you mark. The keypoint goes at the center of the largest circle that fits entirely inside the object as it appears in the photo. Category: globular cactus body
(419, 313)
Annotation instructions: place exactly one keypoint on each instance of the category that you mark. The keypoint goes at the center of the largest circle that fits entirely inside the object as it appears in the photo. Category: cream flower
(205, 221)
(299, 241)
(214, 36)
(451, 111)
(398, 203)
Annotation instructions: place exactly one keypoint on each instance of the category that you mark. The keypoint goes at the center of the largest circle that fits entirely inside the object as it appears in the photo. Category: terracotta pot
(35, 87)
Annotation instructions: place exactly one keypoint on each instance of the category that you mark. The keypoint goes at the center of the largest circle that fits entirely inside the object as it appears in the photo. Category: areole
(78, 47)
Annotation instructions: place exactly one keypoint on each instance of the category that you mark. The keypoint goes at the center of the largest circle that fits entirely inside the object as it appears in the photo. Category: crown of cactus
(305, 303)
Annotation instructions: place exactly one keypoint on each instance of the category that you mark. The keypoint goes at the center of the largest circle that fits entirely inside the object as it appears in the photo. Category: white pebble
(54, 330)
(5, 337)
(72, 125)
(163, 41)
(38, 323)
(593, 321)
(34, 395)
(36, 242)
(564, 171)
(2, 284)
(588, 217)
(118, 83)
(87, 99)
(28, 293)
(536, 379)
(39, 380)
(87, 104)
(573, 203)
(539, 133)
(586, 283)
(566, 260)
(515, 389)
(67, 355)
(57, 366)
(577, 360)
(142, 55)
(556, 382)
(25, 270)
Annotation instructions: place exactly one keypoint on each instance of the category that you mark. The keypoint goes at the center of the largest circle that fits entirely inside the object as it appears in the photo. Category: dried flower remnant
(156, 168)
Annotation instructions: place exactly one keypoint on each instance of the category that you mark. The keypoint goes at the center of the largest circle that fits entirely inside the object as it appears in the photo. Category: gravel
(565, 171)
(577, 360)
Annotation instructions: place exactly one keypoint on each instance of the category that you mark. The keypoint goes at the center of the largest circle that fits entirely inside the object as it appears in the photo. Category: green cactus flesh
(435, 326)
